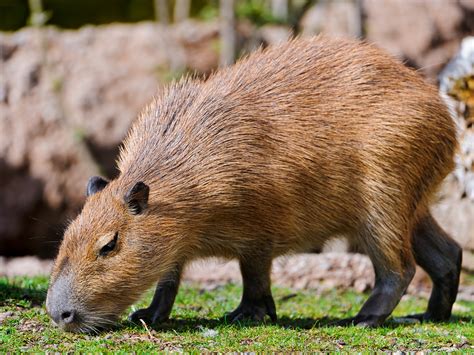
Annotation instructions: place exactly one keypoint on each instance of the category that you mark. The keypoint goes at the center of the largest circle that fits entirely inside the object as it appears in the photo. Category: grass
(197, 324)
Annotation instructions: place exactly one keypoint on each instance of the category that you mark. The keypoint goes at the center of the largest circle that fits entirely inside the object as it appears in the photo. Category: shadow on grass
(12, 294)
(197, 324)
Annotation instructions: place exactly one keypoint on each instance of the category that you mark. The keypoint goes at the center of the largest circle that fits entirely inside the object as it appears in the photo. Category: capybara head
(107, 258)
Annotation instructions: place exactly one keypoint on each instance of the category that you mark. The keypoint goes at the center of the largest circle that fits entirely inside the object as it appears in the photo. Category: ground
(304, 324)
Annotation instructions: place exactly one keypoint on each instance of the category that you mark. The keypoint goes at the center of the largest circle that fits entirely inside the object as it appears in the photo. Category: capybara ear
(137, 198)
(95, 184)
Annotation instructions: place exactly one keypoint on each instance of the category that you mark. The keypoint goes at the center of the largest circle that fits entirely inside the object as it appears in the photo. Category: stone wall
(67, 99)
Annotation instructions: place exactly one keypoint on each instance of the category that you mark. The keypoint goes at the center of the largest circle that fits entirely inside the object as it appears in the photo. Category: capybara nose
(61, 317)
(60, 302)
(68, 317)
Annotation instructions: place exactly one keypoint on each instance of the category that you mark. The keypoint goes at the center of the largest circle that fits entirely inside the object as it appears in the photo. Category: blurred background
(74, 74)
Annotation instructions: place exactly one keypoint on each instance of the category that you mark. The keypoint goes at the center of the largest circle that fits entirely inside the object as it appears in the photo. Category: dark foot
(163, 299)
(361, 321)
(149, 316)
(255, 310)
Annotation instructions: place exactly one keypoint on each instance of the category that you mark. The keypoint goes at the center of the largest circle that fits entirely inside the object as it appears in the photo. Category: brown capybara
(277, 154)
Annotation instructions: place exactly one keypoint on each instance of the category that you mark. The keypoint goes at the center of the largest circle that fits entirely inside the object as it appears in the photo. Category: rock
(456, 216)
(468, 4)
(336, 18)
(329, 270)
(412, 30)
(466, 293)
(5, 315)
(25, 266)
(460, 66)
(67, 99)
(198, 41)
(460, 308)
(455, 212)
(361, 285)
(425, 33)
(208, 333)
(272, 34)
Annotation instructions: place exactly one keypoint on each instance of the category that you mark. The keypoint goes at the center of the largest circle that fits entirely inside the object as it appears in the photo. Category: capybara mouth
(88, 327)
(93, 323)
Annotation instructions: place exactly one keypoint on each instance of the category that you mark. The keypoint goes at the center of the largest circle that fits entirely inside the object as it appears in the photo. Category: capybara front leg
(163, 300)
(257, 300)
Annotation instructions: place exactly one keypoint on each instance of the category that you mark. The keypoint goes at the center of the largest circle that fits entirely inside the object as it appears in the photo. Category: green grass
(197, 324)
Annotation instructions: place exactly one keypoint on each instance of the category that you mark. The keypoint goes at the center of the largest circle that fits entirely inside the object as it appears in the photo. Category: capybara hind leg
(389, 288)
(257, 300)
(393, 273)
(163, 300)
(441, 257)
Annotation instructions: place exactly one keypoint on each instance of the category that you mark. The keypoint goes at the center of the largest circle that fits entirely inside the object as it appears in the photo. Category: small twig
(146, 327)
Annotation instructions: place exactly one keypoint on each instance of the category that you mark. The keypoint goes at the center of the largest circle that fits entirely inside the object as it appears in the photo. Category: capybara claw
(143, 314)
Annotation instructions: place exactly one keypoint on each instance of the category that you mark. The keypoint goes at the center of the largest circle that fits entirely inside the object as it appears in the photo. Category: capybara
(277, 154)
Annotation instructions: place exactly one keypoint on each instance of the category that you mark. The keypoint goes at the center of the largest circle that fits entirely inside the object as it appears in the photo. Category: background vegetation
(15, 14)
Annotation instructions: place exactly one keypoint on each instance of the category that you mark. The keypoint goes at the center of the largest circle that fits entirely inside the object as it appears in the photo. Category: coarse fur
(274, 155)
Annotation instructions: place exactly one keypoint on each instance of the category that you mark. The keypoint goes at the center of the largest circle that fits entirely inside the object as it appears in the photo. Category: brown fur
(280, 152)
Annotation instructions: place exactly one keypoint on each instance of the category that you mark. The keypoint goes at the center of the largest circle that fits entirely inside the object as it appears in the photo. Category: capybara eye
(107, 248)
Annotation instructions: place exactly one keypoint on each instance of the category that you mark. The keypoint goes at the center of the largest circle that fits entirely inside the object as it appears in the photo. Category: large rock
(456, 211)
(425, 33)
(336, 18)
(67, 99)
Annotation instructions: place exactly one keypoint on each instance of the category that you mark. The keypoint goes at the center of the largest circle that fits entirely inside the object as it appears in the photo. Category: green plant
(197, 324)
